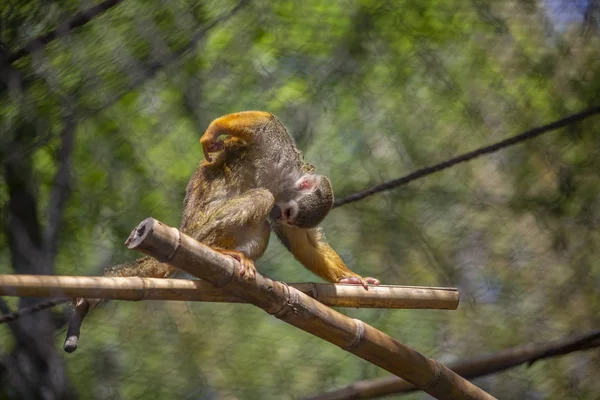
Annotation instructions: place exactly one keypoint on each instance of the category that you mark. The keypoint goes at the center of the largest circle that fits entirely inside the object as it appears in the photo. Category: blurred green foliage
(370, 90)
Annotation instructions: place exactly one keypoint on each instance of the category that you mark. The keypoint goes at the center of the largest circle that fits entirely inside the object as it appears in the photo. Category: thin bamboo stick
(294, 307)
(136, 288)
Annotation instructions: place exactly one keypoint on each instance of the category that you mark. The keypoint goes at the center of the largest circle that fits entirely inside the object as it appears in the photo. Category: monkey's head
(310, 201)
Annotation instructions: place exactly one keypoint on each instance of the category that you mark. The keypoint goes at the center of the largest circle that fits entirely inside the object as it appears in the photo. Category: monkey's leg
(236, 228)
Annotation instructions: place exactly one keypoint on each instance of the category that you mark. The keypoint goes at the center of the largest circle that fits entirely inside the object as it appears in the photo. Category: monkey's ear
(307, 183)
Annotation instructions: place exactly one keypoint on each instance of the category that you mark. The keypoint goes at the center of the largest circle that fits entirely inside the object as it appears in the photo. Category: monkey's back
(271, 161)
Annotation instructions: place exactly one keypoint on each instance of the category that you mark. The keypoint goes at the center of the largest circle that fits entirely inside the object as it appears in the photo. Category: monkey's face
(310, 202)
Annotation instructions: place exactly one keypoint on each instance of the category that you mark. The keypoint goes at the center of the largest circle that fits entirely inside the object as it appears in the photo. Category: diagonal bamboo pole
(136, 288)
(469, 368)
(292, 306)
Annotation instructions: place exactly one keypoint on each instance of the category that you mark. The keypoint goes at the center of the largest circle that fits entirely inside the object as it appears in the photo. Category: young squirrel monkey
(253, 172)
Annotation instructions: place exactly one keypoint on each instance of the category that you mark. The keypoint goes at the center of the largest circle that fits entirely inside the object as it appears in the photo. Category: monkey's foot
(248, 268)
(356, 280)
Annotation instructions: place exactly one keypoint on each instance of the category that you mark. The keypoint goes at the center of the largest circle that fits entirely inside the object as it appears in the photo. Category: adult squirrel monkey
(253, 173)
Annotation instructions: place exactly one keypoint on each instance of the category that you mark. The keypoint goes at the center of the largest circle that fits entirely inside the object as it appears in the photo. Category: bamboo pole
(294, 307)
(136, 288)
(470, 368)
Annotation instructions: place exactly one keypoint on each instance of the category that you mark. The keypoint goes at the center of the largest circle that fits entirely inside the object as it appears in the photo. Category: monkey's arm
(239, 127)
(237, 227)
(310, 248)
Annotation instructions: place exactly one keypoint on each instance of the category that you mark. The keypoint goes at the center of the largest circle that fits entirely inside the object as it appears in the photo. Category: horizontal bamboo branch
(294, 307)
(469, 368)
(136, 288)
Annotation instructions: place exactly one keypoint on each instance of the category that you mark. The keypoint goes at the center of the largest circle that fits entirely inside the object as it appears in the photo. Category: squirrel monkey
(253, 173)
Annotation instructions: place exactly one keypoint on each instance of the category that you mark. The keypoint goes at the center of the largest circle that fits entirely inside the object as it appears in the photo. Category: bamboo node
(289, 303)
(144, 290)
(315, 291)
(436, 379)
(177, 245)
(359, 334)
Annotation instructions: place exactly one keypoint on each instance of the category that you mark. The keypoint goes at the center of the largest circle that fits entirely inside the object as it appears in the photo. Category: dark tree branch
(420, 173)
(24, 232)
(9, 76)
(23, 227)
(62, 185)
(470, 368)
(585, 341)
(11, 81)
(154, 68)
(36, 369)
(78, 20)
(151, 71)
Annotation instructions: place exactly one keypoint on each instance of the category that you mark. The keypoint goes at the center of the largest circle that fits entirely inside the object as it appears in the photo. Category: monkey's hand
(211, 144)
(310, 248)
(239, 128)
(248, 268)
(356, 280)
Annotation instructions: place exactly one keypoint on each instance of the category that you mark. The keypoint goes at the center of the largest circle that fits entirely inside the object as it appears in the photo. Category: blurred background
(100, 125)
